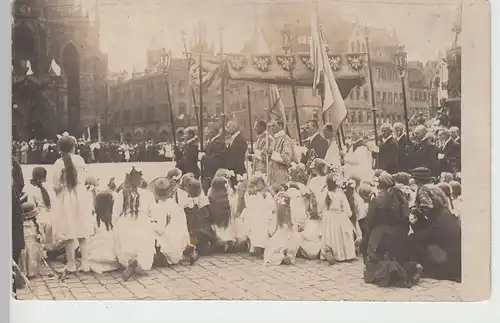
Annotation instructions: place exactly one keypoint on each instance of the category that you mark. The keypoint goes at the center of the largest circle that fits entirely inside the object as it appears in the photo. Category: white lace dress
(258, 216)
(73, 218)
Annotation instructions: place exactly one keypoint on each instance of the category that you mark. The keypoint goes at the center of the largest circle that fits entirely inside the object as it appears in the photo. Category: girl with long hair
(258, 213)
(220, 212)
(338, 231)
(134, 235)
(43, 199)
(73, 203)
(317, 183)
(283, 243)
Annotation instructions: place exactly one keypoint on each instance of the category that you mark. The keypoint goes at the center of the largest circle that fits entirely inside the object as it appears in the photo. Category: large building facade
(46, 102)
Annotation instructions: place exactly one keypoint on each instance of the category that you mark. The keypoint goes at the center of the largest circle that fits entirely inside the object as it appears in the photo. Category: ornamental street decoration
(261, 63)
(334, 62)
(237, 62)
(356, 62)
(286, 62)
(307, 61)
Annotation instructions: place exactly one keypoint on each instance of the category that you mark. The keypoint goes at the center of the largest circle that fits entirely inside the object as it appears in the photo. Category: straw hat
(162, 188)
(30, 210)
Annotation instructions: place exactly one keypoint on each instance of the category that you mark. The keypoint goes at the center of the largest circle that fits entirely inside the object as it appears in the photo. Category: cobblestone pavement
(237, 277)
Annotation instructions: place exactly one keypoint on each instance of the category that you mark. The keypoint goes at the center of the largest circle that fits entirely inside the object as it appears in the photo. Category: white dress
(311, 239)
(359, 163)
(171, 231)
(284, 241)
(46, 217)
(102, 257)
(318, 186)
(297, 206)
(134, 236)
(73, 207)
(258, 216)
(237, 220)
(338, 231)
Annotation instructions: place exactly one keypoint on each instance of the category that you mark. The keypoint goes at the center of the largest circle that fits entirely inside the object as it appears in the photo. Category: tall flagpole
(250, 118)
(374, 109)
(188, 58)
(222, 84)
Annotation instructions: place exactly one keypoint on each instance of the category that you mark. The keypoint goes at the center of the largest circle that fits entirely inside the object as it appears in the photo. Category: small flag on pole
(277, 107)
(28, 66)
(332, 96)
(54, 69)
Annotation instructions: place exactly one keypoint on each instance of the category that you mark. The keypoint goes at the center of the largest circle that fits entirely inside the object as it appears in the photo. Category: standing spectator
(188, 162)
(404, 146)
(264, 140)
(449, 156)
(214, 155)
(24, 152)
(388, 158)
(236, 150)
(455, 134)
(17, 213)
(316, 145)
(424, 152)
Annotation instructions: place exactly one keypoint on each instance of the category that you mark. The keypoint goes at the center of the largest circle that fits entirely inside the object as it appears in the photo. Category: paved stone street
(237, 277)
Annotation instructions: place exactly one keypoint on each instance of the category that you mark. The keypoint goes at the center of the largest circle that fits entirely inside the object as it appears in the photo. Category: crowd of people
(399, 212)
(46, 152)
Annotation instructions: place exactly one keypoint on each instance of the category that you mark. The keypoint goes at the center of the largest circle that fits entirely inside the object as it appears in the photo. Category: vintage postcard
(251, 150)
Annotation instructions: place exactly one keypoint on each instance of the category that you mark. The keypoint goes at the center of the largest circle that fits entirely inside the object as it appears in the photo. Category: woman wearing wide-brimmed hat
(134, 235)
(436, 241)
(73, 203)
(170, 224)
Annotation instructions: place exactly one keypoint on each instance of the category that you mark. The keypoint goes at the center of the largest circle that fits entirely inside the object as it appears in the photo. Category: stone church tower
(56, 36)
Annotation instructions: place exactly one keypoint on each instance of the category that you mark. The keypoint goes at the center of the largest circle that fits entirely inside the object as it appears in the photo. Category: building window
(389, 97)
(377, 73)
(365, 94)
(421, 96)
(149, 90)
(352, 47)
(150, 113)
(138, 94)
(369, 116)
(353, 117)
(358, 94)
(383, 74)
(378, 96)
(401, 97)
(384, 97)
(360, 117)
(363, 46)
(358, 47)
(395, 98)
(425, 96)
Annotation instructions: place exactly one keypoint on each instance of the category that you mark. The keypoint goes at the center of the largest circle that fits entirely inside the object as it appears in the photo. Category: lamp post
(286, 42)
(400, 58)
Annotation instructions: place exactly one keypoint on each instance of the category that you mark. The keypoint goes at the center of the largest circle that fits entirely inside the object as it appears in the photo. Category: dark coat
(451, 161)
(320, 147)
(425, 155)
(388, 158)
(188, 161)
(214, 157)
(235, 155)
(405, 148)
(17, 216)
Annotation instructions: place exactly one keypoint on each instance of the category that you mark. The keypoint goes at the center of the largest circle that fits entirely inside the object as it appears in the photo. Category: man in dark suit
(213, 158)
(388, 158)
(316, 145)
(404, 147)
(18, 198)
(449, 156)
(236, 150)
(425, 153)
(455, 134)
(188, 161)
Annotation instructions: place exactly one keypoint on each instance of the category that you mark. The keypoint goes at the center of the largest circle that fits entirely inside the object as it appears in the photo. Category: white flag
(332, 96)
(54, 69)
(28, 66)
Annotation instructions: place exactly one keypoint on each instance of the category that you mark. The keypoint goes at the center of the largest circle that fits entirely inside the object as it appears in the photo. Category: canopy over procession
(393, 201)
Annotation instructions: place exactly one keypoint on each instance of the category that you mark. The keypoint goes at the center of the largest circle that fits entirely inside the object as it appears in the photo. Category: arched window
(360, 117)
(353, 117)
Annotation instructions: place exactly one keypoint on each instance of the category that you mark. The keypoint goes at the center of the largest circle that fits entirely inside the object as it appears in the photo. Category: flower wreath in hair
(241, 178)
(66, 136)
(294, 166)
(282, 199)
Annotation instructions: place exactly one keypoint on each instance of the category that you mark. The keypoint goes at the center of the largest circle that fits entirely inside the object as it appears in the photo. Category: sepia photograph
(299, 150)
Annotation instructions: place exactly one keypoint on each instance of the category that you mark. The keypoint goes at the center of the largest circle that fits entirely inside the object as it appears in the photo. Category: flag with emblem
(210, 71)
(322, 70)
